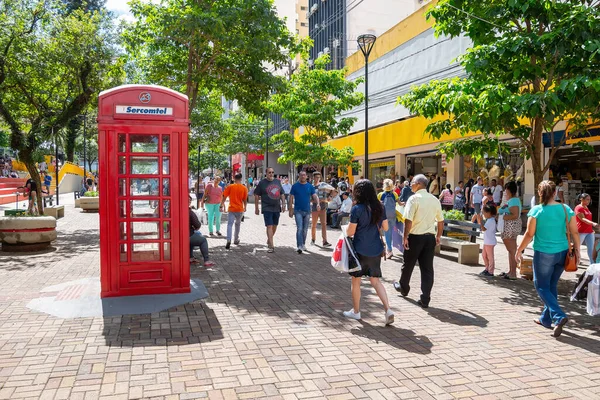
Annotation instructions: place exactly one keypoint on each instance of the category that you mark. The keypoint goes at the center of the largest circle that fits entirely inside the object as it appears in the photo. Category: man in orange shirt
(238, 200)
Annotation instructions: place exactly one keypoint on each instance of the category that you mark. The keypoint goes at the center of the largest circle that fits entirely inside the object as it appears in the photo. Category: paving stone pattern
(272, 328)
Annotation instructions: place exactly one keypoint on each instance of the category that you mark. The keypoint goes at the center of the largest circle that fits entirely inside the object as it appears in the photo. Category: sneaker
(312, 242)
(389, 317)
(219, 233)
(389, 254)
(304, 248)
(209, 264)
(485, 273)
(271, 250)
(228, 245)
(299, 251)
(211, 234)
(423, 305)
(243, 218)
(194, 260)
(236, 242)
(351, 314)
(326, 244)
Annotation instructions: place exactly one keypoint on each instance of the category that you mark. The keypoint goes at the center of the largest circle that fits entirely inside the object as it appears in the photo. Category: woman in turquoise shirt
(547, 227)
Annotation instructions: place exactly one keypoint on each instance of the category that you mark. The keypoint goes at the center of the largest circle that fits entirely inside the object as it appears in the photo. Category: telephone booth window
(148, 190)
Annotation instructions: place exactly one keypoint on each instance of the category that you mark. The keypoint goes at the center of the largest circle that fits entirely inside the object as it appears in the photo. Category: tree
(314, 99)
(51, 65)
(196, 45)
(534, 67)
(247, 133)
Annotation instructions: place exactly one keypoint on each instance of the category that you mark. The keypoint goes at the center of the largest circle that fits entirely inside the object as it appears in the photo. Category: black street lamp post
(366, 43)
(56, 163)
(198, 178)
(84, 147)
(267, 144)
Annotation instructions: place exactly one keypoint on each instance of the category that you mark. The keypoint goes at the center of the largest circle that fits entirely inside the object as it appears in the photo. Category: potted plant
(90, 201)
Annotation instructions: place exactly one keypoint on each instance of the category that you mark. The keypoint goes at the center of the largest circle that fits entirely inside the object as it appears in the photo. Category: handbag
(570, 259)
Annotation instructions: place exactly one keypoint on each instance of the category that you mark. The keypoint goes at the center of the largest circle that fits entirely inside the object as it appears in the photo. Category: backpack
(389, 204)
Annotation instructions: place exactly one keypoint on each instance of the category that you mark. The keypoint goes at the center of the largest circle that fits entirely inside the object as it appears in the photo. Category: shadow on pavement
(187, 324)
(403, 339)
(523, 293)
(467, 318)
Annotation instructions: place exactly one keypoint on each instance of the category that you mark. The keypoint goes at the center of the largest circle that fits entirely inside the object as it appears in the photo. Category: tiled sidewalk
(272, 328)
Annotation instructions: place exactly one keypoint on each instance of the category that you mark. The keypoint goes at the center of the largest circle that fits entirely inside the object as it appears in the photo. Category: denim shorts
(271, 218)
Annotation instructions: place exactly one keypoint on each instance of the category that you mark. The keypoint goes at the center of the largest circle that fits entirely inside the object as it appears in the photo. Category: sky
(120, 9)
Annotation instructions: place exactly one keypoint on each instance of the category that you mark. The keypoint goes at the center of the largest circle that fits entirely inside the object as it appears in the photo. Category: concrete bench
(55, 211)
(468, 253)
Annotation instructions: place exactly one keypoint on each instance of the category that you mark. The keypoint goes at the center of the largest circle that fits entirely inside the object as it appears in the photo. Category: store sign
(382, 164)
(444, 163)
(140, 110)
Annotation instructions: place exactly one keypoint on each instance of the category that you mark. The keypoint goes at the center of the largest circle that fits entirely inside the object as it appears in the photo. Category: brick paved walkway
(272, 328)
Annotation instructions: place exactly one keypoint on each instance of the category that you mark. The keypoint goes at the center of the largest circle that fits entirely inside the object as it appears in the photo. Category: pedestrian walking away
(549, 226)
(301, 194)
(422, 215)
(238, 201)
(270, 194)
(585, 224)
(213, 195)
(321, 213)
(389, 199)
(367, 220)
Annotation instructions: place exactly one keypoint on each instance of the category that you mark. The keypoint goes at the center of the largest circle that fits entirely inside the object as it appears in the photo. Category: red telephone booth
(143, 161)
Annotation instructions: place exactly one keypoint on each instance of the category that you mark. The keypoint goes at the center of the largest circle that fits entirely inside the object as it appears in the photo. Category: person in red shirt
(585, 225)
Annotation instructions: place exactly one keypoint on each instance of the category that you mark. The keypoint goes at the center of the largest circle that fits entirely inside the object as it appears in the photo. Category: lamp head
(366, 43)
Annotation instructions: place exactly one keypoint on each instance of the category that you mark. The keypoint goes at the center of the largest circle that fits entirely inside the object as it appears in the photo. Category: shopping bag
(344, 258)
(339, 258)
(500, 224)
(202, 217)
(593, 296)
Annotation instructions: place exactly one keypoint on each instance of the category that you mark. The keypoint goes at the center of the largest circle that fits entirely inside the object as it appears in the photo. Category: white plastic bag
(593, 296)
(343, 255)
(202, 217)
(339, 258)
(500, 224)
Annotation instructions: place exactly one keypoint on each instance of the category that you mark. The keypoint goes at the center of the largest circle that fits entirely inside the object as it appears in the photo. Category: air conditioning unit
(326, 50)
(314, 7)
(317, 26)
(336, 43)
(311, 62)
(320, 54)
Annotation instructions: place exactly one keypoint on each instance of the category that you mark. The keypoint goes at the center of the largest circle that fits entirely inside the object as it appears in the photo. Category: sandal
(510, 278)
(537, 321)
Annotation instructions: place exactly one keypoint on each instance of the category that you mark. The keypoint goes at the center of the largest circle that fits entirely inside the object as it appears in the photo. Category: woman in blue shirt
(547, 226)
(367, 217)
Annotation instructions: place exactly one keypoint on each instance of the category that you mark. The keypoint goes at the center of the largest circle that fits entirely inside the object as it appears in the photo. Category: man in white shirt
(477, 196)
(423, 227)
(345, 209)
(287, 188)
(496, 192)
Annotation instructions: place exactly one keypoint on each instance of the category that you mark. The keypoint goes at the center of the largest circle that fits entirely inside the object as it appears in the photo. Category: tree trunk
(25, 157)
(72, 133)
(537, 153)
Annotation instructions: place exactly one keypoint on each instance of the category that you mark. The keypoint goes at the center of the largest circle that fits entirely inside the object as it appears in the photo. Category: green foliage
(90, 194)
(533, 64)
(246, 133)
(208, 129)
(211, 44)
(52, 63)
(314, 99)
(208, 160)
(454, 215)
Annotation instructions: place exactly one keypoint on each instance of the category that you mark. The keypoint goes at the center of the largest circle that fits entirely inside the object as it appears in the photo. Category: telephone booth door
(144, 206)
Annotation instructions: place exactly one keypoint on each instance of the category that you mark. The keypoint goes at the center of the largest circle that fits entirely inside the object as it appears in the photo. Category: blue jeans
(302, 221)
(547, 269)
(197, 240)
(588, 239)
(388, 235)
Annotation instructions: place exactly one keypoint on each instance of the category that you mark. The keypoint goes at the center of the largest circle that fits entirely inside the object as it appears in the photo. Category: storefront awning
(255, 157)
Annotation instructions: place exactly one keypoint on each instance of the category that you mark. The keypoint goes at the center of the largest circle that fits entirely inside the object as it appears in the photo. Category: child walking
(489, 238)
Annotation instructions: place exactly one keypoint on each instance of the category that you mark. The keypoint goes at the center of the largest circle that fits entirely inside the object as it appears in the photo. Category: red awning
(237, 166)
(255, 157)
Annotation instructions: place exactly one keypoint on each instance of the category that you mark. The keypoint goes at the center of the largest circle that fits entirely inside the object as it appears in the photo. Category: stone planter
(27, 233)
(77, 201)
(89, 203)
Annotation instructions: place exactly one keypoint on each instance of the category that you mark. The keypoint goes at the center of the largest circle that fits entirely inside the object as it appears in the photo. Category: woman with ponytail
(547, 226)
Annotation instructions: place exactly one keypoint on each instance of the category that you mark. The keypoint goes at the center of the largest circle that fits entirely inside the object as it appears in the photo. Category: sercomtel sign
(139, 110)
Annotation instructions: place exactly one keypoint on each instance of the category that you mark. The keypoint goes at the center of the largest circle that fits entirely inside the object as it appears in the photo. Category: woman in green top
(547, 226)
(512, 226)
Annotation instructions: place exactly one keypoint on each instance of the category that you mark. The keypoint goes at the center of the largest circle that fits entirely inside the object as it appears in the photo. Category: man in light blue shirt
(299, 205)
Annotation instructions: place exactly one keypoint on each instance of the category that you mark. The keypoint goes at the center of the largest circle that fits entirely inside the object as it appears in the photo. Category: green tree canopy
(246, 133)
(222, 45)
(313, 101)
(533, 65)
(51, 65)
